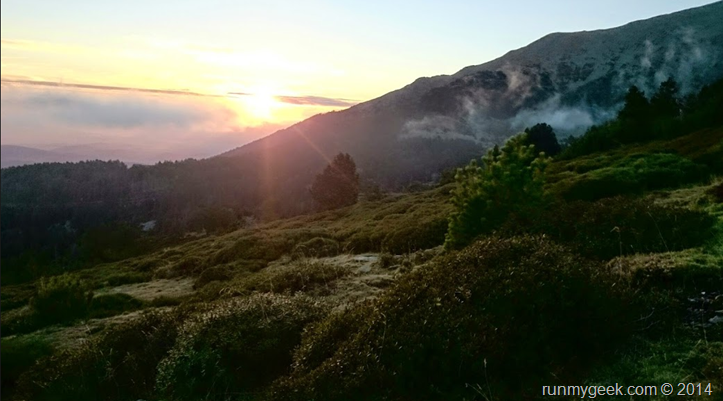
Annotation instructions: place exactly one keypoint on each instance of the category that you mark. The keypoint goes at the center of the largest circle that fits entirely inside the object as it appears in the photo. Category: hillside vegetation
(613, 275)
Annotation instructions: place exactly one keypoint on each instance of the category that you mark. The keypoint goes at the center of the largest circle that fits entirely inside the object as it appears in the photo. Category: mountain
(12, 155)
(569, 80)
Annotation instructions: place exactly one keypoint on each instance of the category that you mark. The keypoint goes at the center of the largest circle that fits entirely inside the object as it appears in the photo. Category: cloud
(307, 100)
(94, 110)
(11, 81)
(316, 101)
(147, 127)
(565, 119)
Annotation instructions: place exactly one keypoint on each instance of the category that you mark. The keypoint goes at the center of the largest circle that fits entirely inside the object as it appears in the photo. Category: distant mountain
(11, 155)
(569, 80)
(14, 155)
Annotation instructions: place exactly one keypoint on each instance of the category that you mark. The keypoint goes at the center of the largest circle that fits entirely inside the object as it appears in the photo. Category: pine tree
(544, 138)
(509, 182)
(665, 103)
(338, 185)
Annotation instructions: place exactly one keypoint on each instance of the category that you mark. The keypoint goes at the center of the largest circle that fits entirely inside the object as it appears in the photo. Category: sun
(261, 104)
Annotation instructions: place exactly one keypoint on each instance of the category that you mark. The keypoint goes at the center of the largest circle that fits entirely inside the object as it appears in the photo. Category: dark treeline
(75, 214)
(666, 114)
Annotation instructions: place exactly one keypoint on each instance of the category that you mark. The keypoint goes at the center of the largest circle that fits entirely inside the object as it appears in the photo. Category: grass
(204, 292)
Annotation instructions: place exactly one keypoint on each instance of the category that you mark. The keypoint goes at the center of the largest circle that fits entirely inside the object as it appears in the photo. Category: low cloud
(92, 110)
(10, 81)
(307, 100)
(148, 126)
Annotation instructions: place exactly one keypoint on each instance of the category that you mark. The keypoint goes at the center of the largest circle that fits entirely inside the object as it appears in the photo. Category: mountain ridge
(570, 80)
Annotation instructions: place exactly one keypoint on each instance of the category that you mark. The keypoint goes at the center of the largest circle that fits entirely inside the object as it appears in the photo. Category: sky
(193, 78)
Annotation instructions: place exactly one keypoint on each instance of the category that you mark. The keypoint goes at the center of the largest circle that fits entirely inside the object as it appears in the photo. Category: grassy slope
(402, 224)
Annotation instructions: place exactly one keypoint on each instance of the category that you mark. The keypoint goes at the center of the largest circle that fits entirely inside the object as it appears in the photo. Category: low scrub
(216, 273)
(120, 365)
(504, 315)
(632, 175)
(236, 348)
(302, 276)
(621, 226)
(19, 354)
(317, 247)
(60, 299)
(113, 304)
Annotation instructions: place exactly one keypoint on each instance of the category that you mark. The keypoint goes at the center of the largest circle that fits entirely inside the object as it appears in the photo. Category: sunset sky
(195, 78)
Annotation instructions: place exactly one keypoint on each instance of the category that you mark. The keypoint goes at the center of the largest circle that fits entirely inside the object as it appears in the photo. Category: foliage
(317, 247)
(507, 314)
(634, 174)
(20, 354)
(509, 182)
(61, 299)
(235, 348)
(641, 120)
(621, 226)
(120, 365)
(337, 185)
(301, 276)
(543, 137)
(215, 273)
(112, 304)
(213, 219)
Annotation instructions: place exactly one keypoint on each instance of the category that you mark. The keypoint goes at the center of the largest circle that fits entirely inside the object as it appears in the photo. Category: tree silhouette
(635, 116)
(665, 103)
(543, 137)
(337, 185)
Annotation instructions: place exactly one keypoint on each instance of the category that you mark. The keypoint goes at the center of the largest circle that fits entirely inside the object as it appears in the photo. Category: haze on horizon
(178, 79)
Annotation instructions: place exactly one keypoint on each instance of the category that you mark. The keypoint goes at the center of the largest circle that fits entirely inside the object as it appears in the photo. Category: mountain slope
(13, 155)
(569, 80)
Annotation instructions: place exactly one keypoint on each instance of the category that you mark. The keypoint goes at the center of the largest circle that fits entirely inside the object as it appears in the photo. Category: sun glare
(261, 104)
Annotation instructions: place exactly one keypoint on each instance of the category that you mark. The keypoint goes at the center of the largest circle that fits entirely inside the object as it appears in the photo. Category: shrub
(216, 273)
(508, 314)
(414, 238)
(509, 183)
(19, 354)
(61, 299)
(303, 276)
(316, 248)
(717, 192)
(120, 365)
(235, 348)
(634, 174)
(127, 278)
(113, 304)
(614, 226)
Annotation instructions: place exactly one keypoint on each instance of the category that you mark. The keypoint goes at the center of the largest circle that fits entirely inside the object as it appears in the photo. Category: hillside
(335, 305)
(569, 80)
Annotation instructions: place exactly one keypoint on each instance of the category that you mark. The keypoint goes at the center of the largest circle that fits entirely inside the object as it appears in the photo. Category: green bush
(61, 299)
(620, 226)
(120, 365)
(505, 314)
(302, 276)
(633, 175)
(717, 192)
(19, 354)
(127, 278)
(509, 183)
(235, 348)
(113, 304)
(216, 273)
(317, 247)
(414, 238)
